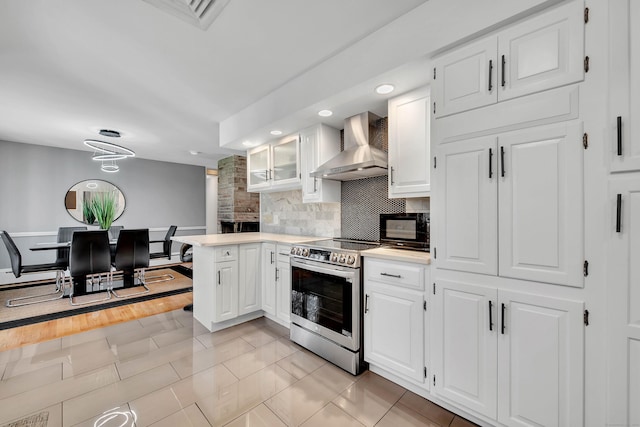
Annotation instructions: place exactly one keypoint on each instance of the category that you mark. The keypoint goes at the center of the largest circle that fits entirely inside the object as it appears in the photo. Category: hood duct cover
(359, 159)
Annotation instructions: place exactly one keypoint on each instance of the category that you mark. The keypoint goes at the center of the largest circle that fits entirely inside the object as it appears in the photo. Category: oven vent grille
(200, 13)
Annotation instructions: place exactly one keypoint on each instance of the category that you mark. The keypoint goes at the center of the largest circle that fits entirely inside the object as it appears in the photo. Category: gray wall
(34, 180)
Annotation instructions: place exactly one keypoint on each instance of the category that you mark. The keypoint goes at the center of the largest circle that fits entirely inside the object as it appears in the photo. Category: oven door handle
(349, 275)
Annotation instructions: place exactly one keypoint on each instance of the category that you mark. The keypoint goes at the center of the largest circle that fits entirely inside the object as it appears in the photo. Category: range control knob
(343, 259)
(351, 259)
(305, 252)
(334, 257)
(293, 250)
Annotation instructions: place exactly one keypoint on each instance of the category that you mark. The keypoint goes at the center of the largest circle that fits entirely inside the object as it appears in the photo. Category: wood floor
(45, 331)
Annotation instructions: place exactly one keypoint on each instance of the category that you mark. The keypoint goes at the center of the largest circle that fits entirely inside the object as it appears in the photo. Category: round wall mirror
(79, 198)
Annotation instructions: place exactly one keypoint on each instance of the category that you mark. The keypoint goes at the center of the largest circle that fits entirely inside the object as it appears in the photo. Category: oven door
(325, 299)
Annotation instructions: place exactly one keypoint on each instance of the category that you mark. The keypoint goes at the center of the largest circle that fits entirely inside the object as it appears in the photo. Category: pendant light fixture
(108, 153)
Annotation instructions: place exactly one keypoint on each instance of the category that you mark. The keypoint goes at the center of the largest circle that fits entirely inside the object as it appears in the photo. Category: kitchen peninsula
(241, 276)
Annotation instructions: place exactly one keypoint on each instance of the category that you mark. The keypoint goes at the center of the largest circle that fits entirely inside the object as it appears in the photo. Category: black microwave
(405, 230)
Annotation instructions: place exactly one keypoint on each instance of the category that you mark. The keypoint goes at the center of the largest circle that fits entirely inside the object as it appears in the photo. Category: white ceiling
(71, 67)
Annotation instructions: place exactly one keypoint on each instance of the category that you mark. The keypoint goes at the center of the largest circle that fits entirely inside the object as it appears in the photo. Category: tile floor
(168, 370)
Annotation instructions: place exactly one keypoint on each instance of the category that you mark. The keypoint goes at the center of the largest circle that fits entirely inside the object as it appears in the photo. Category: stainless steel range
(326, 300)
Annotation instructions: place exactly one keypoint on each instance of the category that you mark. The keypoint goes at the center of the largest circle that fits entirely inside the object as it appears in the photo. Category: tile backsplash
(284, 212)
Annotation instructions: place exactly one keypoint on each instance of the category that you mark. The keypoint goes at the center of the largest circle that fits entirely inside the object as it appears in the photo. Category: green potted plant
(87, 213)
(104, 206)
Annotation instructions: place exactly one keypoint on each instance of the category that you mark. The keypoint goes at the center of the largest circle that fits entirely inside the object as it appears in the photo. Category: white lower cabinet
(268, 268)
(249, 286)
(510, 356)
(394, 318)
(283, 285)
(276, 282)
(226, 300)
(226, 283)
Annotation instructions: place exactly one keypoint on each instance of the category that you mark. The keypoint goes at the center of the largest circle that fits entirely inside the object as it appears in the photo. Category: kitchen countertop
(398, 255)
(241, 238)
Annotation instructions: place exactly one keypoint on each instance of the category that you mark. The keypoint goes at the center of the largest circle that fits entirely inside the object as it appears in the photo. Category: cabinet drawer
(397, 273)
(282, 252)
(226, 253)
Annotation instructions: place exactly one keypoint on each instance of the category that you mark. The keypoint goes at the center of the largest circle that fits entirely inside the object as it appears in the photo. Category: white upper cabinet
(467, 196)
(544, 52)
(258, 167)
(274, 166)
(541, 53)
(624, 88)
(409, 142)
(511, 205)
(465, 78)
(318, 144)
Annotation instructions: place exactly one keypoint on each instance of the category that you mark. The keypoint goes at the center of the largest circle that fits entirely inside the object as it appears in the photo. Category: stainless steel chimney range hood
(359, 159)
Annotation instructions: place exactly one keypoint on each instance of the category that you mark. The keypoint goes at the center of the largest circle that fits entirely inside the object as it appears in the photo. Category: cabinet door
(285, 161)
(543, 52)
(317, 145)
(465, 78)
(624, 89)
(249, 289)
(394, 329)
(226, 291)
(409, 130)
(283, 291)
(269, 278)
(467, 199)
(540, 361)
(258, 167)
(623, 301)
(464, 354)
(541, 204)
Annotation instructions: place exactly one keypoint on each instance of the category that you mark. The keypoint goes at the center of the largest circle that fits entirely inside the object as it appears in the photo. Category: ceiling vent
(200, 13)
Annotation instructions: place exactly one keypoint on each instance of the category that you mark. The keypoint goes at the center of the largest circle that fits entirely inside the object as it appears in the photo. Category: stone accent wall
(234, 203)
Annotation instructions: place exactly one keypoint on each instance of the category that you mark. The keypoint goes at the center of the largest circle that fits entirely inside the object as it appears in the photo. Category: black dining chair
(64, 235)
(19, 269)
(89, 260)
(166, 244)
(132, 254)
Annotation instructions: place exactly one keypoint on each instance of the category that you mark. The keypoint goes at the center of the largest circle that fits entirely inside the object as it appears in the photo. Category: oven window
(322, 299)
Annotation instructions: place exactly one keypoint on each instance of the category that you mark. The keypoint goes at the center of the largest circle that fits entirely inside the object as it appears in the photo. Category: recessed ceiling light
(248, 143)
(92, 185)
(194, 152)
(325, 113)
(276, 132)
(385, 89)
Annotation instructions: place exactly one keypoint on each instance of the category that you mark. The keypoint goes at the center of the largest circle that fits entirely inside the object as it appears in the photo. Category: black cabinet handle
(490, 163)
(619, 126)
(490, 75)
(490, 315)
(502, 161)
(503, 66)
(272, 253)
(503, 309)
(397, 276)
(219, 282)
(277, 274)
(366, 303)
(618, 213)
